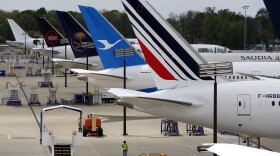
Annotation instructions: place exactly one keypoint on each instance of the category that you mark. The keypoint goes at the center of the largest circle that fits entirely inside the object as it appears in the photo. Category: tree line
(222, 27)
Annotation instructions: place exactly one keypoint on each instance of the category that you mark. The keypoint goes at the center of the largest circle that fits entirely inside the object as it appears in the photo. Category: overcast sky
(163, 6)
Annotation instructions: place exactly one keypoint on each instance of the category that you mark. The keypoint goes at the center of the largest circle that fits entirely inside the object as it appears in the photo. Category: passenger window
(245, 77)
(229, 77)
(241, 77)
(237, 77)
(279, 103)
(273, 103)
(233, 77)
(239, 103)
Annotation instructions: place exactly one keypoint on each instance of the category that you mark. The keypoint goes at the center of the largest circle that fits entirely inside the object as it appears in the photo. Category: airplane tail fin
(272, 7)
(17, 31)
(46, 27)
(171, 57)
(107, 39)
(78, 37)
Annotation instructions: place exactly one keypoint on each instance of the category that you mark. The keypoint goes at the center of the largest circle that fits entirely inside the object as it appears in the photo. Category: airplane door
(243, 105)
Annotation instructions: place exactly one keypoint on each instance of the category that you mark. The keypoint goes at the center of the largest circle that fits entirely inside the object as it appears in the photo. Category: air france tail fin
(272, 7)
(78, 37)
(17, 31)
(107, 39)
(173, 59)
(46, 27)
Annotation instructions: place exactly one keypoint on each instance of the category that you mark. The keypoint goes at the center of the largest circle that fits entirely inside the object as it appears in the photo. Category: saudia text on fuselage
(260, 58)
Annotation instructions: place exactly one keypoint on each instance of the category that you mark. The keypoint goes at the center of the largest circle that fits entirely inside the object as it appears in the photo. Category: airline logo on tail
(78, 42)
(168, 54)
(52, 37)
(107, 45)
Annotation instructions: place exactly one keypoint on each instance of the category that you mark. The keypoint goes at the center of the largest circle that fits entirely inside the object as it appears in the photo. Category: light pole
(65, 42)
(215, 69)
(41, 36)
(36, 35)
(123, 53)
(87, 69)
(24, 42)
(245, 7)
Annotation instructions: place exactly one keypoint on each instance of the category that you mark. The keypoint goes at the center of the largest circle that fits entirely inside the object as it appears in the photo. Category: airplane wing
(233, 150)
(46, 52)
(146, 101)
(100, 76)
(259, 77)
(73, 64)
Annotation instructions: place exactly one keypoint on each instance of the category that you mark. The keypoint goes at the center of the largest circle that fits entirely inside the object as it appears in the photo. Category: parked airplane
(21, 37)
(245, 107)
(76, 54)
(250, 68)
(107, 39)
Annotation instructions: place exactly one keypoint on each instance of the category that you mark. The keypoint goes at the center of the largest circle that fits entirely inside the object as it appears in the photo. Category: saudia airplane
(21, 37)
(241, 109)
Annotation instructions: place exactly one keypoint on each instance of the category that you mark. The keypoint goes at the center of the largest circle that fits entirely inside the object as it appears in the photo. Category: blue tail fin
(106, 39)
(46, 27)
(79, 39)
(272, 7)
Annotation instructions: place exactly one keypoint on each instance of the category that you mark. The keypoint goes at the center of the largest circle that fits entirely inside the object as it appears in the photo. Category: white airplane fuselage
(250, 107)
(241, 57)
(142, 77)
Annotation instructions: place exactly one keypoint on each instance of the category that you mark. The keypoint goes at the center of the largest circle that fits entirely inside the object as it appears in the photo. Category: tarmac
(20, 133)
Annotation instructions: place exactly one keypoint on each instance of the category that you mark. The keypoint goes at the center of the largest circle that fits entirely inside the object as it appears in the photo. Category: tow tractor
(91, 125)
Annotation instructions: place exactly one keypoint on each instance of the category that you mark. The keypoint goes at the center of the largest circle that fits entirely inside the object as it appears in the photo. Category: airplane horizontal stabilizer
(100, 76)
(145, 101)
(125, 92)
(73, 64)
(46, 52)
